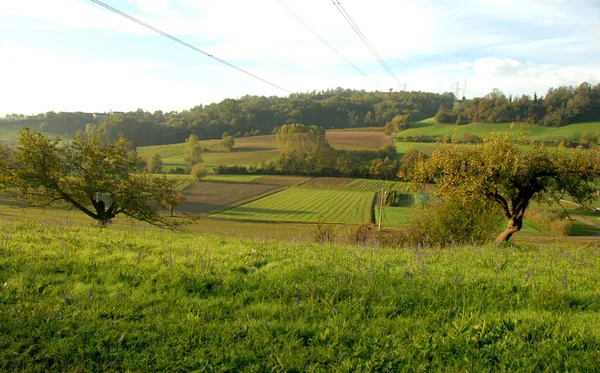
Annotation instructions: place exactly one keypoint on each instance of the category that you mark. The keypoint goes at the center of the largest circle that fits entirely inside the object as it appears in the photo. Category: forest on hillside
(334, 108)
(246, 116)
(561, 106)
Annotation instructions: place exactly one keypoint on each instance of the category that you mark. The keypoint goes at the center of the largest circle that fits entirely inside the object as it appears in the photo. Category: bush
(456, 222)
(553, 220)
(324, 233)
(198, 171)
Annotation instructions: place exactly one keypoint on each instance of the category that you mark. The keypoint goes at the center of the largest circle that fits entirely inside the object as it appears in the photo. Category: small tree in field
(154, 164)
(192, 151)
(198, 172)
(500, 171)
(171, 201)
(45, 174)
(228, 142)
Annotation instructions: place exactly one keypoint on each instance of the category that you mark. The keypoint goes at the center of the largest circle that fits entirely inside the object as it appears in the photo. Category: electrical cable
(293, 14)
(362, 37)
(185, 44)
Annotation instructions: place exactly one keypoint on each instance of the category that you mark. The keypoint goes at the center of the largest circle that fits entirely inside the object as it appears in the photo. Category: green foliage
(397, 124)
(154, 164)
(454, 221)
(198, 171)
(500, 171)
(555, 221)
(81, 299)
(78, 175)
(228, 142)
(408, 162)
(173, 200)
(4, 170)
(304, 149)
(324, 233)
(560, 106)
(192, 151)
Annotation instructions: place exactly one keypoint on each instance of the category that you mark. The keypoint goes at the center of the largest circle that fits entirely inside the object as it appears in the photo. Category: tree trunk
(514, 225)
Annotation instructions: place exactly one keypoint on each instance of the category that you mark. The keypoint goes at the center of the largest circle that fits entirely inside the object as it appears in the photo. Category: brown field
(353, 140)
(212, 196)
(327, 182)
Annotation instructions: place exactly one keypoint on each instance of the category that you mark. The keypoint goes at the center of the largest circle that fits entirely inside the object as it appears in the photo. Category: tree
(192, 151)
(4, 154)
(173, 200)
(228, 142)
(304, 149)
(154, 164)
(198, 172)
(408, 162)
(88, 175)
(499, 170)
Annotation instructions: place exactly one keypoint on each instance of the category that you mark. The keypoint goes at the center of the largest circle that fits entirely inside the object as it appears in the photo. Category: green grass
(10, 132)
(375, 185)
(307, 205)
(539, 133)
(248, 151)
(82, 299)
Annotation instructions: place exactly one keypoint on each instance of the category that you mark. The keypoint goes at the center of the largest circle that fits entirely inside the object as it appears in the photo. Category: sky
(74, 55)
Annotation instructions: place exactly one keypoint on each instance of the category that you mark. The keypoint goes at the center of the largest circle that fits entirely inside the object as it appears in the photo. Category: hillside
(83, 299)
(428, 127)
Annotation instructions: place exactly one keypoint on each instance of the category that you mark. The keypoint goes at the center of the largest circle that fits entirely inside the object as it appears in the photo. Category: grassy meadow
(429, 128)
(90, 299)
(243, 287)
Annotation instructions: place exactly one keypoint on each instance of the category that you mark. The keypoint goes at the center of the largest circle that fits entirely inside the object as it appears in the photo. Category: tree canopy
(90, 175)
(560, 106)
(192, 151)
(501, 171)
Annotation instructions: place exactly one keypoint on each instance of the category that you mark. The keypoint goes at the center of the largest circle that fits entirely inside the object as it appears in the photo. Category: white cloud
(519, 46)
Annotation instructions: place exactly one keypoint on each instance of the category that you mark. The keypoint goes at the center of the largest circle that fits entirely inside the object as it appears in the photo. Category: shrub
(553, 220)
(453, 222)
(198, 171)
(324, 233)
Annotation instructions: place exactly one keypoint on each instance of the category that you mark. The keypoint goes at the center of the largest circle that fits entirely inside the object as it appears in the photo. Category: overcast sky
(73, 55)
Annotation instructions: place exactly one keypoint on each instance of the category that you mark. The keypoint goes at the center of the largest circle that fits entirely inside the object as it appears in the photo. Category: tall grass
(85, 299)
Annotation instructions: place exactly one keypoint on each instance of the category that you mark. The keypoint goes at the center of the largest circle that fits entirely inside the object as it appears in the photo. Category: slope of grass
(539, 133)
(80, 299)
(307, 205)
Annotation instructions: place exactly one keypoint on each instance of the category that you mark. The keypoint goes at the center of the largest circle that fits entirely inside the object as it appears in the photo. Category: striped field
(307, 205)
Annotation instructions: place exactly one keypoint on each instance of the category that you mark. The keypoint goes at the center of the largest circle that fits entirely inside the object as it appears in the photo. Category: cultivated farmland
(307, 205)
(210, 196)
(327, 182)
(353, 140)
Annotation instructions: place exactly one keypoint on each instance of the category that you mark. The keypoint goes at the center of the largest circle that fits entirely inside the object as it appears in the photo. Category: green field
(538, 133)
(90, 299)
(248, 151)
(307, 205)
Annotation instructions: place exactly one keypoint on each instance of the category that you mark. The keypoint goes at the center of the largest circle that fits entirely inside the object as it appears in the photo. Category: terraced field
(307, 205)
(212, 196)
(327, 182)
(375, 185)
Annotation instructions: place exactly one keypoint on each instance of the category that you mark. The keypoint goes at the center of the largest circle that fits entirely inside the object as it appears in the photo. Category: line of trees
(306, 151)
(246, 116)
(560, 106)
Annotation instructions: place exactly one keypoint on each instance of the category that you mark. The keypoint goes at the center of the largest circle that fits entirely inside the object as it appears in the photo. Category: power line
(293, 14)
(362, 37)
(185, 44)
